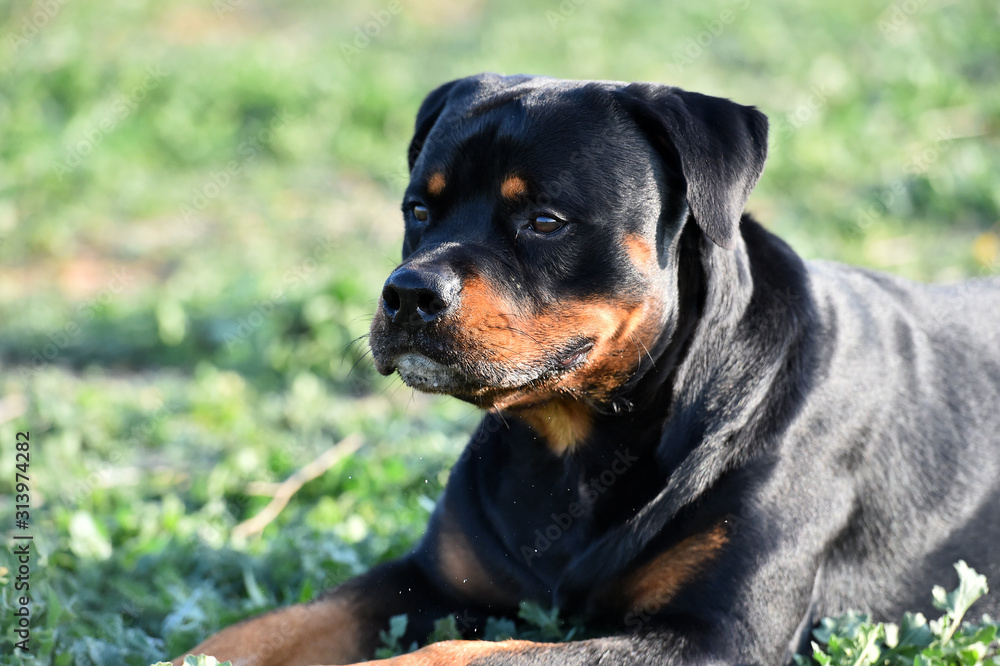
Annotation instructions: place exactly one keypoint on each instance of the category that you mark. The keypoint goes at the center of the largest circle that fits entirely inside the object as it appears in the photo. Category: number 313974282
(22, 460)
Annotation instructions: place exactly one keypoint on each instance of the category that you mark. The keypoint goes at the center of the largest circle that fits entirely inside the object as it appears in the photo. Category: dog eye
(544, 224)
(420, 213)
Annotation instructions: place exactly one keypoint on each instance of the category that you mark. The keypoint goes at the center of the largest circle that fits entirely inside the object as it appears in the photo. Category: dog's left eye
(420, 213)
(545, 224)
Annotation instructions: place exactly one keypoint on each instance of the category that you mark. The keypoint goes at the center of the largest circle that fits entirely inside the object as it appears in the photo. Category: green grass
(198, 205)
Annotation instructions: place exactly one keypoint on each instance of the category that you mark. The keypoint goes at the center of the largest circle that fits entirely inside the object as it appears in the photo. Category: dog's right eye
(545, 224)
(420, 213)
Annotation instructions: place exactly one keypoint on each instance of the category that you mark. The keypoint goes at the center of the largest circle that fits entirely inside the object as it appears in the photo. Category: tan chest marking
(564, 423)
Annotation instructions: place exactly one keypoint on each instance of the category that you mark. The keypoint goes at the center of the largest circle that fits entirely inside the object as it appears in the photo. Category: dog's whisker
(353, 342)
(363, 357)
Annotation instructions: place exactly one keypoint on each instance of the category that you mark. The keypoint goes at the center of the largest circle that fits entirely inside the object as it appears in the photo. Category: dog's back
(917, 369)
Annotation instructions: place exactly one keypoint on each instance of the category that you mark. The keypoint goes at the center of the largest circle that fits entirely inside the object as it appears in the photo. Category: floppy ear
(430, 110)
(719, 146)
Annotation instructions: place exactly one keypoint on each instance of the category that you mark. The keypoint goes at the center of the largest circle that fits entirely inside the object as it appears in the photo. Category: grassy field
(198, 206)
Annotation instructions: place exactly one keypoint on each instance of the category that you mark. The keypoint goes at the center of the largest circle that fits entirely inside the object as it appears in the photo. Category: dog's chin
(424, 374)
(427, 375)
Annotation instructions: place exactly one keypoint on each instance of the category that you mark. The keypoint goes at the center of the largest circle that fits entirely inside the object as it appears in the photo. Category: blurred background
(199, 204)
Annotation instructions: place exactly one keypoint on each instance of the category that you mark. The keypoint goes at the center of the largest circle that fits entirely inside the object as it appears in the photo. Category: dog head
(543, 220)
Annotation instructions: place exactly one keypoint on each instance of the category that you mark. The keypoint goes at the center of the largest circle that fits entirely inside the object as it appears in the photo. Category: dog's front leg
(324, 631)
(658, 650)
(341, 627)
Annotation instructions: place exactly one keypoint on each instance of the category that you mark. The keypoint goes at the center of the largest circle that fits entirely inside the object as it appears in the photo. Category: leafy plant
(199, 660)
(391, 645)
(445, 629)
(536, 624)
(545, 624)
(852, 639)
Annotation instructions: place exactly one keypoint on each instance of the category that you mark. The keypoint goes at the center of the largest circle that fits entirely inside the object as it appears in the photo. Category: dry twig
(291, 485)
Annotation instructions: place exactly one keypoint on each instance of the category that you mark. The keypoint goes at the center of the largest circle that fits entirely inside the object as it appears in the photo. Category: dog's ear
(430, 110)
(463, 93)
(718, 145)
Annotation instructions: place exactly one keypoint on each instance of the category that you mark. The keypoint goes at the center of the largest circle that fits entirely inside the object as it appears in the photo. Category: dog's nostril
(430, 304)
(413, 298)
(390, 298)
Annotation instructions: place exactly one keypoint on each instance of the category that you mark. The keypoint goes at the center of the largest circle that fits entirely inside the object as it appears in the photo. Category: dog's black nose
(413, 298)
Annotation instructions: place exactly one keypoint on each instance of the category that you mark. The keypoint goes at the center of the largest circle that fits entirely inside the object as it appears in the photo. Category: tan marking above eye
(639, 251)
(436, 183)
(513, 187)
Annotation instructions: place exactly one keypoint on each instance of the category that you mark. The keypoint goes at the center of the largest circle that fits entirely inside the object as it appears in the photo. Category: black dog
(692, 435)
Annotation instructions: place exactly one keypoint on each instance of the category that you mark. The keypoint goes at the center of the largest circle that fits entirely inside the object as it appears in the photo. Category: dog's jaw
(424, 374)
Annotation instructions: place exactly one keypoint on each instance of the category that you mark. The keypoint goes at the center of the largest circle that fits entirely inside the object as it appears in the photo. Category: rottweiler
(691, 435)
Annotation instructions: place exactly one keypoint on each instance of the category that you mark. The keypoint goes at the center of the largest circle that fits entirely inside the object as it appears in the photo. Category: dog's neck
(712, 289)
(737, 323)
(754, 325)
